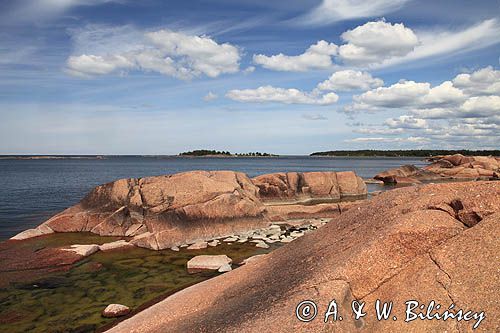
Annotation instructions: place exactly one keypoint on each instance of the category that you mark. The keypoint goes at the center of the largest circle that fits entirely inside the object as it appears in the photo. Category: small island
(405, 153)
(217, 153)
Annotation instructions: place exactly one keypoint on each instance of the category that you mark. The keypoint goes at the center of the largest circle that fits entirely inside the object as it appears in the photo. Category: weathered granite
(167, 211)
(409, 243)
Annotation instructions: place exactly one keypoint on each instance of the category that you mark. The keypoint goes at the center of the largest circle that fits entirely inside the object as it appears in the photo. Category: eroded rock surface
(450, 167)
(309, 185)
(168, 211)
(409, 243)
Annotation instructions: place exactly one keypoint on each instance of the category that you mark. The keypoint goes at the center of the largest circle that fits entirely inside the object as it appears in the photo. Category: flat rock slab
(115, 245)
(198, 246)
(83, 250)
(207, 262)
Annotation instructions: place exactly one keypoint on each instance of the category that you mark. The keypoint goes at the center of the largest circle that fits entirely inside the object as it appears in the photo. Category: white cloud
(443, 114)
(481, 106)
(249, 69)
(97, 65)
(314, 117)
(368, 44)
(406, 122)
(379, 131)
(374, 42)
(350, 80)
(210, 97)
(380, 44)
(317, 56)
(411, 139)
(443, 95)
(281, 95)
(406, 94)
(485, 81)
(330, 11)
(398, 95)
(164, 51)
(35, 10)
(441, 42)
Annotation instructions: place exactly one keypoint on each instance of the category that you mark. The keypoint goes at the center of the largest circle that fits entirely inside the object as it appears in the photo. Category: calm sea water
(33, 190)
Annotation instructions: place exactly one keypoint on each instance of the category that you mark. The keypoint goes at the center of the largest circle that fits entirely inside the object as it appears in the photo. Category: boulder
(115, 310)
(163, 211)
(406, 244)
(308, 185)
(207, 262)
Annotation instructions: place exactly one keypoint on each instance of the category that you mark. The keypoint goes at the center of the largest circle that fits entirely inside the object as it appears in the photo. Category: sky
(285, 77)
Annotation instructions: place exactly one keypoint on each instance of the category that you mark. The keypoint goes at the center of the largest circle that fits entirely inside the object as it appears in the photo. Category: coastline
(283, 213)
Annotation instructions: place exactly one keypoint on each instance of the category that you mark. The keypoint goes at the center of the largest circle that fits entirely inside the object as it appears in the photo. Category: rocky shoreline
(200, 210)
(171, 211)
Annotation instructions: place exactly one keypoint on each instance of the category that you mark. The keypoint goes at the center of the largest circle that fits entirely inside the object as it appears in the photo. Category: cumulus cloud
(374, 42)
(380, 44)
(460, 112)
(317, 56)
(281, 95)
(485, 81)
(167, 52)
(406, 94)
(330, 11)
(398, 95)
(350, 80)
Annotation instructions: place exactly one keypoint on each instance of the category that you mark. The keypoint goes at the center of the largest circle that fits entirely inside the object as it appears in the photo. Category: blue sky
(287, 77)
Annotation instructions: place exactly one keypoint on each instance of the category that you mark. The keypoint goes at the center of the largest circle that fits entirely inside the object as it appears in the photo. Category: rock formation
(451, 167)
(167, 211)
(436, 242)
(309, 185)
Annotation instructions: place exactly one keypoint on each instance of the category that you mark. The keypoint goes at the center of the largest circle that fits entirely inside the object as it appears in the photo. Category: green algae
(72, 301)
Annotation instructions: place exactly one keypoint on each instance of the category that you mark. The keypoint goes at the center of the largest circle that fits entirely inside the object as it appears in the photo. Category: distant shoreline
(52, 157)
(403, 153)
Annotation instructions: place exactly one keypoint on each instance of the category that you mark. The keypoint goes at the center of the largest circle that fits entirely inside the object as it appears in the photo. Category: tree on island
(205, 152)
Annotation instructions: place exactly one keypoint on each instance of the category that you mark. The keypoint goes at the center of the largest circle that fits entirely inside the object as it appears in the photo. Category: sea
(32, 190)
